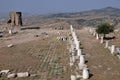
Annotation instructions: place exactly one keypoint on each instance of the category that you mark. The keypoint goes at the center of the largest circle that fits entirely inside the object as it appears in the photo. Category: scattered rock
(4, 71)
(33, 75)
(108, 69)
(24, 74)
(11, 75)
(10, 45)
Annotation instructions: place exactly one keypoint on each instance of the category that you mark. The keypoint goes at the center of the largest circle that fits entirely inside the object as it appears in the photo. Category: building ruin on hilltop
(15, 19)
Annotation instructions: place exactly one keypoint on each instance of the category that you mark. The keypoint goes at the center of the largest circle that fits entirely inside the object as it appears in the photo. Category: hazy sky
(55, 6)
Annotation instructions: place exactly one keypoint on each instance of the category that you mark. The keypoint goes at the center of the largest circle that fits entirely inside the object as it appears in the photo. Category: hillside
(78, 19)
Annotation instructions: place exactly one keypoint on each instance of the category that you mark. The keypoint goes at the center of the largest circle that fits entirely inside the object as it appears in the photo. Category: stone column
(10, 31)
(97, 36)
(72, 49)
(85, 73)
(12, 18)
(94, 33)
(71, 61)
(82, 60)
(77, 45)
(90, 30)
(75, 41)
(71, 28)
(18, 19)
(79, 52)
(101, 41)
(112, 49)
(106, 44)
(73, 77)
(73, 58)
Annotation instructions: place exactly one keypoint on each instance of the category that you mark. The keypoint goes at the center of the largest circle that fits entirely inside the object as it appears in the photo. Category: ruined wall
(18, 19)
(12, 18)
(15, 18)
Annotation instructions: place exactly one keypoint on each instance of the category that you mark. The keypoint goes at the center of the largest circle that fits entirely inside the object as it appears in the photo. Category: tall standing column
(85, 73)
(82, 60)
(112, 49)
(79, 52)
(101, 41)
(106, 44)
(12, 18)
(18, 19)
(97, 36)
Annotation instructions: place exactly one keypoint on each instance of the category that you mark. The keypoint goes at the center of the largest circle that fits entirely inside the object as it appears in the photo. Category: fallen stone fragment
(10, 45)
(33, 75)
(4, 71)
(13, 75)
(24, 74)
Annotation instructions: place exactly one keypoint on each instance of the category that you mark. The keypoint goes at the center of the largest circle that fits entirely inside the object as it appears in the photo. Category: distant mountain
(90, 18)
(105, 11)
(78, 19)
(109, 11)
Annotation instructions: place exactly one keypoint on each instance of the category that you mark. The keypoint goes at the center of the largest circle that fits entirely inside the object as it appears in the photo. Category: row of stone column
(113, 49)
(76, 57)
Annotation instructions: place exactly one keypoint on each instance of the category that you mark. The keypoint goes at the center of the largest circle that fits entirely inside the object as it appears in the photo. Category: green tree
(104, 28)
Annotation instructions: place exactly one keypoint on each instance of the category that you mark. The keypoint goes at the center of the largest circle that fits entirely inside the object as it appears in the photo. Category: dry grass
(49, 58)
(46, 57)
(102, 64)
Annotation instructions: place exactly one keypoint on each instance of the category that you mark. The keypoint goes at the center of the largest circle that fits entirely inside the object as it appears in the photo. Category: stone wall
(18, 19)
(15, 18)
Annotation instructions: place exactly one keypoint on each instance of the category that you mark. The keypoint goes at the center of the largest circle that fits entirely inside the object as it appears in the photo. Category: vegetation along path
(102, 64)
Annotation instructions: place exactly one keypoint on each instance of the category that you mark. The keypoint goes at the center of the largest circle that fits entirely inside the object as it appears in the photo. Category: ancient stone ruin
(15, 19)
(77, 59)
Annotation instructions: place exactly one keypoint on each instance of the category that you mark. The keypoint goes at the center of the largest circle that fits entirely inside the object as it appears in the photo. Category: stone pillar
(112, 49)
(71, 28)
(97, 36)
(73, 77)
(71, 61)
(101, 40)
(82, 60)
(94, 33)
(18, 19)
(73, 58)
(75, 41)
(72, 49)
(79, 52)
(90, 30)
(15, 19)
(106, 44)
(12, 18)
(85, 73)
(77, 45)
(10, 31)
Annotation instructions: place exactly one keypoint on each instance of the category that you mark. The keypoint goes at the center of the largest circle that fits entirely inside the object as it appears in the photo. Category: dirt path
(102, 64)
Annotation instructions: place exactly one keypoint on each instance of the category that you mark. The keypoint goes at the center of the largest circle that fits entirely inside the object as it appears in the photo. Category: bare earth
(102, 64)
(49, 58)
(44, 55)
